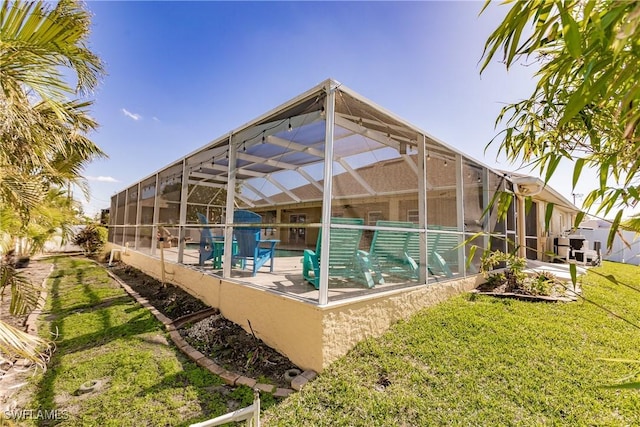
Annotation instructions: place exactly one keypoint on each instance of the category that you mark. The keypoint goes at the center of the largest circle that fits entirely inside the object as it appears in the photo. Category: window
(413, 216)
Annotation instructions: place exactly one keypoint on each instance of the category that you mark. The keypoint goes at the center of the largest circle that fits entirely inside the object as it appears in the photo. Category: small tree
(46, 71)
(91, 238)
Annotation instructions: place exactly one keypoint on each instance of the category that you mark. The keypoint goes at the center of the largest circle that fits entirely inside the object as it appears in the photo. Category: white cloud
(156, 119)
(131, 115)
(102, 178)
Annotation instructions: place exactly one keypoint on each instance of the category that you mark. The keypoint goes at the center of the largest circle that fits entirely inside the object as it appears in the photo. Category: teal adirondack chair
(249, 243)
(389, 252)
(344, 260)
(207, 247)
(435, 262)
(445, 253)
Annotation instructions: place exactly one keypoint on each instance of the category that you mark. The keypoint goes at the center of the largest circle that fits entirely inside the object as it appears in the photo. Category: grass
(103, 334)
(476, 360)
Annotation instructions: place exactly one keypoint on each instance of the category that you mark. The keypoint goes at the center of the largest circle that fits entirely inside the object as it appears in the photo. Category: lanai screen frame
(215, 165)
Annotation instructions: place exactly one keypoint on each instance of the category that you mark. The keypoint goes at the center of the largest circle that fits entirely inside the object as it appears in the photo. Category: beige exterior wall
(310, 336)
(346, 324)
(561, 220)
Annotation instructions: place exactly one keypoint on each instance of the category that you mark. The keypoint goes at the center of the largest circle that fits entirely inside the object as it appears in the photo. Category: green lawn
(103, 334)
(477, 360)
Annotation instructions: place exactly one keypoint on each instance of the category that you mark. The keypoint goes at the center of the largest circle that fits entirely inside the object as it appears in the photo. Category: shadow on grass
(45, 395)
(84, 308)
(138, 321)
(208, 387)
(214, 397)
(143, 322)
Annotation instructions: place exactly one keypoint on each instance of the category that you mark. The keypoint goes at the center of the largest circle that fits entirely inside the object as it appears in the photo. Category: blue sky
(183, 73)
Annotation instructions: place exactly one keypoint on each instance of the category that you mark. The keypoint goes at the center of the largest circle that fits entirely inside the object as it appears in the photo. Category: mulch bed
(224, 342)
(501, 292)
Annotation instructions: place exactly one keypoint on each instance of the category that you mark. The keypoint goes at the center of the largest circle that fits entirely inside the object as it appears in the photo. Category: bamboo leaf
(547, 216)
(574, 275)
(604, 174)
(588, 8)
(551, 167)
(579, 218)
(614, 229)
(472, 253)
(571, 33)
(577, 170)
(632, 385)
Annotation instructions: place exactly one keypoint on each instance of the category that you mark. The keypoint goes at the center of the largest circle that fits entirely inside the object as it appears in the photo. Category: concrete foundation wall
(351, 322)
(310, 336)
(292, 327)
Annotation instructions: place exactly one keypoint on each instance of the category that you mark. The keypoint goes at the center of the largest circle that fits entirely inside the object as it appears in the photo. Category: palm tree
(43, 125)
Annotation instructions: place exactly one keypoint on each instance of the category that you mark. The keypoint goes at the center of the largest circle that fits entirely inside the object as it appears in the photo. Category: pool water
(280, 253)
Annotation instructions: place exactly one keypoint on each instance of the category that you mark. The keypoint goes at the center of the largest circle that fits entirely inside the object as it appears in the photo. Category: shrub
(91, 239)
(542, 283)
(513, 276)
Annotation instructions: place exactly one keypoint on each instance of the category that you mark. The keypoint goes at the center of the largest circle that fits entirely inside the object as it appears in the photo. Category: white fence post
(250, 414)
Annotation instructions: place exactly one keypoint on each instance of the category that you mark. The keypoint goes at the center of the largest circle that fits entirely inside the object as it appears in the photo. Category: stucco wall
(310, 336)
(346, 324)
(292, 327)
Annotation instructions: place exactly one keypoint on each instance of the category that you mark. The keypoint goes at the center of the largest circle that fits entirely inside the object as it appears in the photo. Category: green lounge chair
(343, 255)
(435, 261)
(389, 252)
(443, 250)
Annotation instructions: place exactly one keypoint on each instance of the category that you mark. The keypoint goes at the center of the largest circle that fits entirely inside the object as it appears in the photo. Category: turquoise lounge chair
(389, 252)
(435, 261)
(444, 254)
(344, 260)
(249, 242)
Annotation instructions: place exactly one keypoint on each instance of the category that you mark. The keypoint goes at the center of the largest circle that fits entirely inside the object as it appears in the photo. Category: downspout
(526, 186)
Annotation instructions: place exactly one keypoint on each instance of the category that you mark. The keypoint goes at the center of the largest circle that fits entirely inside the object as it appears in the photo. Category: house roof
(524, 184)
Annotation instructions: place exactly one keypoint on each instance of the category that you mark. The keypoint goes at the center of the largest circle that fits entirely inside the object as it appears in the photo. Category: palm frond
(16, 344)
(40, 40)
(24, 296)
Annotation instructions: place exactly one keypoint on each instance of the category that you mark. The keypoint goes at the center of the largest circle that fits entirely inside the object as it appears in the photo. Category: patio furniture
(249, 242)
(389, 252)
(211, 247)
(208, 248)
(442, 249)
(585, 255)
(435, 262)
(344, 260)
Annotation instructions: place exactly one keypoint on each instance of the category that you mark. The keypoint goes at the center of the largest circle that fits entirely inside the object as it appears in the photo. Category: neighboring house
(55, 244)
(381, 168)
(625, 247)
